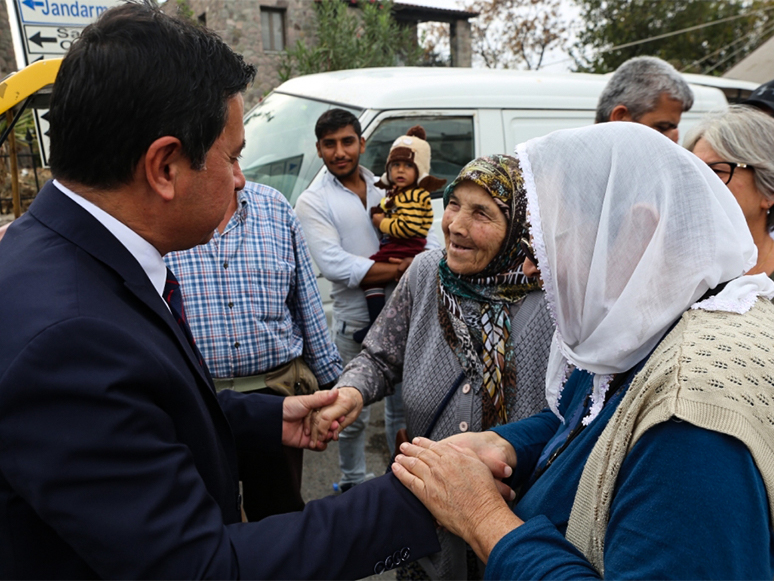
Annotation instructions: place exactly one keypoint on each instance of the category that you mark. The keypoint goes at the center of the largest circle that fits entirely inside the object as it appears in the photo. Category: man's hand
(336, 416)
(459, 490)
(297, 414)
(403, 264)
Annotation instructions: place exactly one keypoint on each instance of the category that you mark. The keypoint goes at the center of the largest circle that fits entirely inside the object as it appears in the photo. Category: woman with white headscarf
(656, 459)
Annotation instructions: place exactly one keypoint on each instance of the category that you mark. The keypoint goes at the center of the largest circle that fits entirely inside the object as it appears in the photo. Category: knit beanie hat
(413, 148)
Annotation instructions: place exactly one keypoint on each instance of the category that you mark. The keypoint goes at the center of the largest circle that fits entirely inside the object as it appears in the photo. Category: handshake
(458, 479)
(311, 421)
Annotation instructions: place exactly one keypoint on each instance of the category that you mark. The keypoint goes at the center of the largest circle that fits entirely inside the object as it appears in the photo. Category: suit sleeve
(85, 441)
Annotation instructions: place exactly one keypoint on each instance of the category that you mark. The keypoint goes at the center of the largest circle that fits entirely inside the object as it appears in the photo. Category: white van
(465, 112)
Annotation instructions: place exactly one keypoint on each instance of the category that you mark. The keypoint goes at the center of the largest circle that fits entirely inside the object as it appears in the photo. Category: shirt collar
(143, 251)
(238, 217)
(365, 173)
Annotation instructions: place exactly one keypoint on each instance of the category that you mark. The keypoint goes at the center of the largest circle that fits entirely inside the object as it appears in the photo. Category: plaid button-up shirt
(250, 294)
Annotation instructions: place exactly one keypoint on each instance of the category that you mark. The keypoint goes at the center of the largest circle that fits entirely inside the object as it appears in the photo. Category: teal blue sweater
(689, 503)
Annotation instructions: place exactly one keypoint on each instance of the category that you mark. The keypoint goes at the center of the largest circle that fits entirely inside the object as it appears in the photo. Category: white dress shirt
(341, 237)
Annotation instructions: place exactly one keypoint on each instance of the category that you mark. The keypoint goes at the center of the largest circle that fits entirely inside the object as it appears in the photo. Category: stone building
(260, 29)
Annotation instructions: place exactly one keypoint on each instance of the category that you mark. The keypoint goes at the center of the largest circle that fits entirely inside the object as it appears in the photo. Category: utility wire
(722, 48)
(689, 29)
(720, 62)
(667, 34)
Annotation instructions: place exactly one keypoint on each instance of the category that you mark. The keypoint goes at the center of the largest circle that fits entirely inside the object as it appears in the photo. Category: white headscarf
(629, 231)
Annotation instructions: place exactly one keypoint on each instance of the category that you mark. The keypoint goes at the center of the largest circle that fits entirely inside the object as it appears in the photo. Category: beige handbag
(293, 378)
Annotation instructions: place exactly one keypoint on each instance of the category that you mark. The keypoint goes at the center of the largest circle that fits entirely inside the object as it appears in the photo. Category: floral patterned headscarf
(500, 283)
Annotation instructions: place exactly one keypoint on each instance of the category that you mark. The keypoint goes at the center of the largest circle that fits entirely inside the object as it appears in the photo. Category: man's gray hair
(638, 84)
(742, 134)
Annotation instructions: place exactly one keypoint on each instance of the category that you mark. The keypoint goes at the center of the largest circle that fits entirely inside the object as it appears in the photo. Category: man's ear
(362, 145)
(319, 152)
(163, 162)
(620, 113)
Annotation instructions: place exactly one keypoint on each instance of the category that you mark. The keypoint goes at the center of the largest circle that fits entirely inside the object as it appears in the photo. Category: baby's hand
(376, 219)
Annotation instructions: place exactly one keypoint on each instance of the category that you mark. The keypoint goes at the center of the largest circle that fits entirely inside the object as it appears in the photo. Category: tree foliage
(517, 33)
(711, 49)
(434, 40)
(345, 39)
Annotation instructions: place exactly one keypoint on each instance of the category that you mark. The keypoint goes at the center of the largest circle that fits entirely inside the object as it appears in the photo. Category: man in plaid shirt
(252, 302)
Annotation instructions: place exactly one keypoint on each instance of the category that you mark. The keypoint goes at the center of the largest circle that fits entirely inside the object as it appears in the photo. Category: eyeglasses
(725, 169)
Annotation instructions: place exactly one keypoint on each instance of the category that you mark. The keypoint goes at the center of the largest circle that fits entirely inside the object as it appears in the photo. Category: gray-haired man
(646, 90)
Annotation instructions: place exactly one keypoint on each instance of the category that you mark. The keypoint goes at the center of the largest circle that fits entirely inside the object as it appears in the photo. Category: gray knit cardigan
(406, 343)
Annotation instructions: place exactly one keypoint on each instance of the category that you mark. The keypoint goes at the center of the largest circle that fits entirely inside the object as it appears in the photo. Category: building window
(273, 29)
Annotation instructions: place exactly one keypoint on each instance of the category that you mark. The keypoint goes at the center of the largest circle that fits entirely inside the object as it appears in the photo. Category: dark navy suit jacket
(118, 460)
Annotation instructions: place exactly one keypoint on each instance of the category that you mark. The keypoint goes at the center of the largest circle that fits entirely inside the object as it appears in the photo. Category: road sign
(49, 40)
(43, 29)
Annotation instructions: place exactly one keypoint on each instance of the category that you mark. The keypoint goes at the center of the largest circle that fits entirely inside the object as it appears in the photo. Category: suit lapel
(61, 214)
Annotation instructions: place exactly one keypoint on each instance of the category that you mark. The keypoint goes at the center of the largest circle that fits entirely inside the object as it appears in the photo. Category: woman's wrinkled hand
(340, 414)
(459, 490)
(492, 449)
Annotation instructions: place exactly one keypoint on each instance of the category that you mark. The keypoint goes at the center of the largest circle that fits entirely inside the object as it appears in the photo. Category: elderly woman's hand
(459, 490)
(343, 411)
(493, 450)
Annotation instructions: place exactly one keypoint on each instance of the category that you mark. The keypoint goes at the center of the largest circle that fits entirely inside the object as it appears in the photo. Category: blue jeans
(352, 461)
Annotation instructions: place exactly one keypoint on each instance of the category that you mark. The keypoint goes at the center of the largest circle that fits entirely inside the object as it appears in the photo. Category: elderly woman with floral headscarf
(656, 458)
(465, 330)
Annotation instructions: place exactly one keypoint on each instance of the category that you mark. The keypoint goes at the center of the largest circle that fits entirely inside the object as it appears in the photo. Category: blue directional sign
(72, 13)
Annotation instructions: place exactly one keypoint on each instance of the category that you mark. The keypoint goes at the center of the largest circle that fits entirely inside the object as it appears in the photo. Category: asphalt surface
(321, 469)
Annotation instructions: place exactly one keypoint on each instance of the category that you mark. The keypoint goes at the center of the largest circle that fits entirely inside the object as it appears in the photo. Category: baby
(405, 215)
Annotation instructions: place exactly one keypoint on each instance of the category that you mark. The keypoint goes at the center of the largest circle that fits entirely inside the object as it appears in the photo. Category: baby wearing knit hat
(405, 215)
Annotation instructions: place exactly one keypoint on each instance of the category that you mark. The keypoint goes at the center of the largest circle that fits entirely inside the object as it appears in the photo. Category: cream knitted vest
(714, 370)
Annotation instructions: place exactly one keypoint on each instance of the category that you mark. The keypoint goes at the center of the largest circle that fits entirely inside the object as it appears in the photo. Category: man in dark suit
(117, 459)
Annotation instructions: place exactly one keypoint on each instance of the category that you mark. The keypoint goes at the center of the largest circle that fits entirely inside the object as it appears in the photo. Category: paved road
(321, 469)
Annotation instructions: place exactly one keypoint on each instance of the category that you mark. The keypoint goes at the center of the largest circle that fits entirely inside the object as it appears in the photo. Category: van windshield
(280, 143)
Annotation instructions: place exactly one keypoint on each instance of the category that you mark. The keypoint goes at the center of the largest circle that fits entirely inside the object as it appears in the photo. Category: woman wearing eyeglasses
(738, 145)
(655, 459)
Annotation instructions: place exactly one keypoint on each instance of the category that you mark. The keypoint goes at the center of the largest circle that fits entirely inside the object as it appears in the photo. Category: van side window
(450, 138)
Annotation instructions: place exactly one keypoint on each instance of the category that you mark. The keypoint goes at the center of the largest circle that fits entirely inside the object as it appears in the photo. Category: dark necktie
(174, 298)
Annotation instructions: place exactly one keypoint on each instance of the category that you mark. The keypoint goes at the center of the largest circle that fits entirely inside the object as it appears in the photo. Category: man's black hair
(333, 120)
(135, 75)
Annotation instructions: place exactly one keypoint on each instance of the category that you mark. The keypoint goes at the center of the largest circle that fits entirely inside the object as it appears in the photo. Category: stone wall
(238, 22)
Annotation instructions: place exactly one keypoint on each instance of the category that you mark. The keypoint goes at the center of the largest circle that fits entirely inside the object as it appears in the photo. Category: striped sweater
(408, 213)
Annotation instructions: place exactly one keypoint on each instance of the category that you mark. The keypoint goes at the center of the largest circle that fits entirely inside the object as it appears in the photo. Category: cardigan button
(466, 388)
(463, 426)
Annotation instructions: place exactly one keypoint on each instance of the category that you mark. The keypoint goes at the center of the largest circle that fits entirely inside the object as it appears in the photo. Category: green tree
(347, 40)
(613, 31)
(185, 11)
